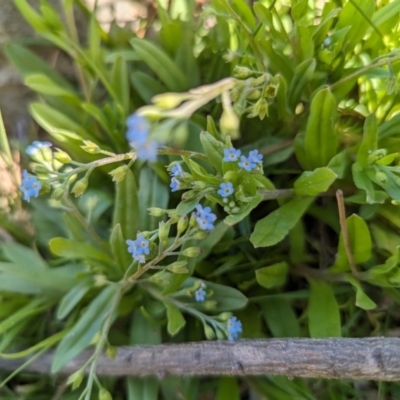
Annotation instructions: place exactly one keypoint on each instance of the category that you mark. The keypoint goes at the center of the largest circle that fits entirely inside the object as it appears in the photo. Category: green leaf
(153, 193)
(302, 76)
(362, 300)
(360, 244)
(320, 140)
(362, 181)
(274, 227)
(73, 249)
(161, 65)
(89, 324)
(323, 311)
(272, 276)
(73, 297)
(43, 84)
(143, 388)
(146, 86)
(18, 55)
(228, 388)
(175, 318)
(213, 149)
(119, 248)
(369, 142)
(126, 210)
(272, 311)
(312, 183)
(120, 82)
(24, 257)
(386, 12)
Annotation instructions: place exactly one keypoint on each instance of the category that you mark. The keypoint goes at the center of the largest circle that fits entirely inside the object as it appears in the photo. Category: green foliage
(126, 250)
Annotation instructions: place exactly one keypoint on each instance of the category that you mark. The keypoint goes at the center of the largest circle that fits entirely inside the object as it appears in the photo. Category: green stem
(363, 70)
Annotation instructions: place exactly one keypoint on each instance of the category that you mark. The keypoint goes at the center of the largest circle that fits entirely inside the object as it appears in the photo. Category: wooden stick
(367, 358)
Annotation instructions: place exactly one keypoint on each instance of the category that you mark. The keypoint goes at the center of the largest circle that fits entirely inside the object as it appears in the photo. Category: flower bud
(104, 394)
(40, 169)
(100, 280)
(169, 100)
(235, 210)
(111, 352)
(189, 195)
(62, 156)
(156, 212)
(224, 316)
(210, 305)
(178, 267)
(183, 224)
(242, 72)
(58, 193)
(254, 94)
(76, 379)
(261, 108)
(191, 252)
(90, 147)
(270, 91)
(199, 185)
(163, 232)
(220, 335)
(118, 174)
(80, 187)
(200, 235)
(209, 332)
(229, 123)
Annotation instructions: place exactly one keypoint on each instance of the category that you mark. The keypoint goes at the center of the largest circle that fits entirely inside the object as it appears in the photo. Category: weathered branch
(368, 358)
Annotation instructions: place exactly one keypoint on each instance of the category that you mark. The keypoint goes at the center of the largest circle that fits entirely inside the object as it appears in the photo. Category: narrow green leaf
(126, 209)
(323, 311)
(175, 318)
(214, 150)
(120, 82)
(228, 388)
(119, 248)
(272, 276)
(360, 244)
(43, 84)
(73, 249)
(272, 310)
(369, 142)
(362, 300)
(161, 65)
(302, 76)
(321, 140)
(274, 227)
(312, 183)
(89, 324)
(5, 151)
(73, 297)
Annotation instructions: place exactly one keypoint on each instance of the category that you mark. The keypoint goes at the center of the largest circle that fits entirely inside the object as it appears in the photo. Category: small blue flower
(147, 151)
(138, 129)
(30, 186)
(231, 154)
(36, 146)
(255, 157)
(138, 137)
(138, 248)
(247, 163)
(177, 171)
(200, 295)
(234, 328)
(205, 218)
(226, 189)
(174, 185)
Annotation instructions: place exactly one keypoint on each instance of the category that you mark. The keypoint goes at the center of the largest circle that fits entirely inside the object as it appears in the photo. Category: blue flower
(247, 163)
(138, 248)
(36, 146)
(231, 154)
(205, 218)
(30, 186)
(255, 157)
(174, 185)
(234, 328)
(177, 171)
(138, 136)
(226, 189)
(147, 151)
(138, 129)
(200, 295)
